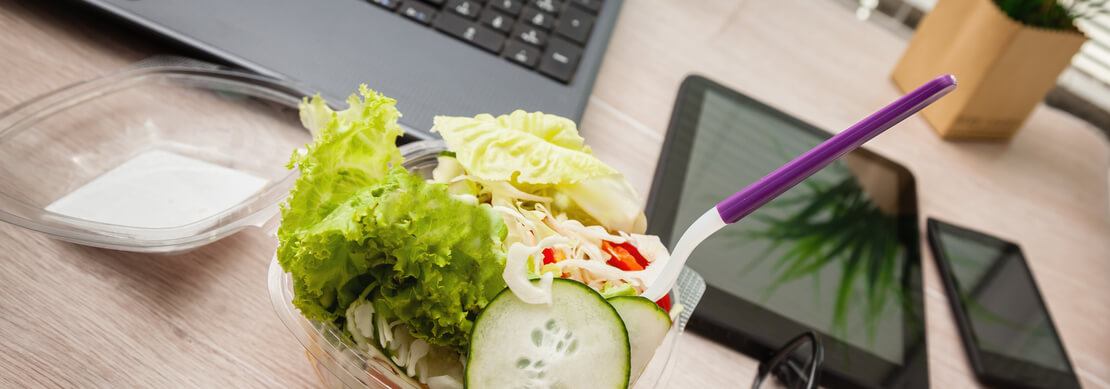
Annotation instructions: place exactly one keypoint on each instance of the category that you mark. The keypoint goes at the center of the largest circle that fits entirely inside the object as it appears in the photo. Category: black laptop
(436, 57)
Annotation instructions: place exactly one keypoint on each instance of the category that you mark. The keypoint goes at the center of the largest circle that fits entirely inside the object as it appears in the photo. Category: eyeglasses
(794, 373)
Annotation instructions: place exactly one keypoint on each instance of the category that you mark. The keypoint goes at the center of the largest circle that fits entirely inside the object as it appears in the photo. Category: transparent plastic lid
(164, 156)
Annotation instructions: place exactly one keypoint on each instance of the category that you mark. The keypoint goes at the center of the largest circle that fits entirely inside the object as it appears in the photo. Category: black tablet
(838, 254)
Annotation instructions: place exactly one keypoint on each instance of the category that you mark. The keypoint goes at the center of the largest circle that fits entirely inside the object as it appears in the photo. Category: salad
(519, 263)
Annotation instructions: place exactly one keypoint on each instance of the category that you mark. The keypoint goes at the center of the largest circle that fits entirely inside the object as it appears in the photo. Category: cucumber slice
(578, 341)
(647, 325)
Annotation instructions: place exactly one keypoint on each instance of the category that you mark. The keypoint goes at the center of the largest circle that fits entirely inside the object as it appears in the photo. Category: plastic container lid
(164, 156)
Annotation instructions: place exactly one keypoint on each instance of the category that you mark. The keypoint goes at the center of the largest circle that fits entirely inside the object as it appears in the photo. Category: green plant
(835, 224)
(1052, 14)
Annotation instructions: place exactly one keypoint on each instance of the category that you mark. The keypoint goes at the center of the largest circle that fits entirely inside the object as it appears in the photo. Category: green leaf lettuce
(357, 225)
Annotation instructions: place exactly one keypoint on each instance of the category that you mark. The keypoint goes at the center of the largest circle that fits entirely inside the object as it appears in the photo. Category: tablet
(838, 254)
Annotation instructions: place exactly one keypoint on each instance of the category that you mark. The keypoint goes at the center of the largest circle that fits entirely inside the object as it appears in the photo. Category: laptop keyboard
(543, 35)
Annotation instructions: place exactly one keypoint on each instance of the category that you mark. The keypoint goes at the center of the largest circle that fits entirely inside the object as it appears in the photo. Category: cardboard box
(1004, 68)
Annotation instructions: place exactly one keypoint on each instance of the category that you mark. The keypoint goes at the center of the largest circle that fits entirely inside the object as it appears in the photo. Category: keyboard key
(388, 4)
(575, 24)
(560, 59)
(418, 11)
(496, 20)
(590, 5)
(537, 18)
(512, 7)
(467, 8)
(521, 53)
(470, 31)
(549, 6)
(436, 3)
(529, 34)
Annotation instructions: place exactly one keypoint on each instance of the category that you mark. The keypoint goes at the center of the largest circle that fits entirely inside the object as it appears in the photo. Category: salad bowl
(338, 362)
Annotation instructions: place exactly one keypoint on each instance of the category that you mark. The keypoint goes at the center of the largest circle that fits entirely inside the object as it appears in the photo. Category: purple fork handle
(747, 200)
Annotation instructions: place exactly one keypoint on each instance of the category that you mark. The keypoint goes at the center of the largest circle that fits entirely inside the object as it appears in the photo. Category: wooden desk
(75, 316)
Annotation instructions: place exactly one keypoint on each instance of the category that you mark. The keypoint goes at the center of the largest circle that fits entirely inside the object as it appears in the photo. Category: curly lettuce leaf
(358, 226)
(425, 258)
(353, 148)
(538, 151)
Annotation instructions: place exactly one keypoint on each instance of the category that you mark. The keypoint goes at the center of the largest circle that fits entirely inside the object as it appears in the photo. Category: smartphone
(1006, 329)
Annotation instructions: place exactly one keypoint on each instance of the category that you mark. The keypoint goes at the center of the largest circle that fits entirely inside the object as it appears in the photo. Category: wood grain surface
(72, 316)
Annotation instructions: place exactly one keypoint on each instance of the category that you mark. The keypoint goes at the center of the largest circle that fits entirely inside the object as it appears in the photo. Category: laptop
(436, 57)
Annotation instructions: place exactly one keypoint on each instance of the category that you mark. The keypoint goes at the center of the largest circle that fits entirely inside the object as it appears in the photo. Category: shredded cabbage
(521, 259)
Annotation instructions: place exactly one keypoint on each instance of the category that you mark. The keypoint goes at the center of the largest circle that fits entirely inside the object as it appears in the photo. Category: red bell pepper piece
(624, 256)
(665, 303)
(627, 246)
(551, 255)
(620, 258)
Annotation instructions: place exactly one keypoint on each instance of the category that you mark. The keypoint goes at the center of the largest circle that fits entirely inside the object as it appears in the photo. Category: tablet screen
(838, 253)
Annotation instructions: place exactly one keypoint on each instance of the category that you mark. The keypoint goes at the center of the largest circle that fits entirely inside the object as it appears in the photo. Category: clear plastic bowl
(338, 363)
(161, 157)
